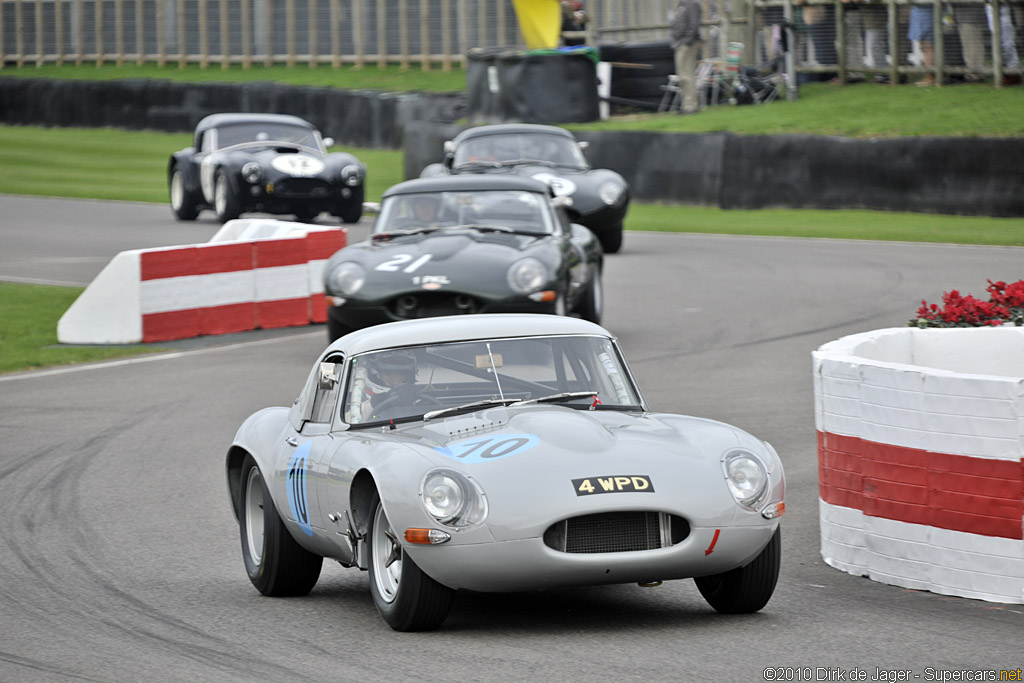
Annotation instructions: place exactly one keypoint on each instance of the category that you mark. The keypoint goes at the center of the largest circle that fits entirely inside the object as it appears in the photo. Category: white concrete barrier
(252, 274)
(921, 458)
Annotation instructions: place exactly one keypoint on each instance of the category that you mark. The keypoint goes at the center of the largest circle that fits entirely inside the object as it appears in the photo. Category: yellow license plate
(623, 483)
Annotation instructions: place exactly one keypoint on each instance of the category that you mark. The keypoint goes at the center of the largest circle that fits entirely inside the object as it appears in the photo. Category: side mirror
(449, 147)
(328, 378)
(583, 144)
(561, 201)
(328, 142)
(371, 207)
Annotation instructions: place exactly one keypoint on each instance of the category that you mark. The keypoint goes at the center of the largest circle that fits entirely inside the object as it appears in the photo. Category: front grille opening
(431, 304)
(616, 532)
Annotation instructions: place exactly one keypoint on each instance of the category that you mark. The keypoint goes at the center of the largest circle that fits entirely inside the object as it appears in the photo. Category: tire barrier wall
(927, 175)
(920, 449)
(153, 295)
(362, 118)
(506, 85)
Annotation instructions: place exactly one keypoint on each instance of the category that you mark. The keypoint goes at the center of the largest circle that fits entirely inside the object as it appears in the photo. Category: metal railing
(827, 36)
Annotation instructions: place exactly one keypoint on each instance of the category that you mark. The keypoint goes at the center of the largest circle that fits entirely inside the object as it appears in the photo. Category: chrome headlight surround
(610, 191)
(453, 499)
(352, 175)
(527, 275)
(252, 172)
(746, 476)
(346, 278)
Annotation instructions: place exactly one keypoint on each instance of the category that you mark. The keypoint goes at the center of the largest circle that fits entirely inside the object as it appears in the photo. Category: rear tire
(745, 589)
(408, 599)
(183, 205)
(225, 203)
(277, 565)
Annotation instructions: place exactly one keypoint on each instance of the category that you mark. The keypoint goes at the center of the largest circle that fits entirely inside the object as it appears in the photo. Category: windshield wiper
(484, 163)
(496, 228)
(391, 234)
(526, 162)
(558, 398)
(467, 407)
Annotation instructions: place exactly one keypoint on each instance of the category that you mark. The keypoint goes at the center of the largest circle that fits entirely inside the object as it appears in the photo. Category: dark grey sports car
(465, 244)
(271, 163)
(600, 197)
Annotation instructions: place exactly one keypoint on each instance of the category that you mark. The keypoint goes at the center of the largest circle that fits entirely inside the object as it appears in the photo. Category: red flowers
(1005, 305)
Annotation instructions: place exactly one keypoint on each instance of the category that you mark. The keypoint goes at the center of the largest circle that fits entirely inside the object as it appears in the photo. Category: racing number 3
(490, 448)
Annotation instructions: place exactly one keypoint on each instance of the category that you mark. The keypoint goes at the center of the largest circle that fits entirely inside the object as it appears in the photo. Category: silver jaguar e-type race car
(505, 452)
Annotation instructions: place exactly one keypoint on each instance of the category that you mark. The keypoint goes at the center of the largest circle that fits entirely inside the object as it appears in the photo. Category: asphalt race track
(119, 555)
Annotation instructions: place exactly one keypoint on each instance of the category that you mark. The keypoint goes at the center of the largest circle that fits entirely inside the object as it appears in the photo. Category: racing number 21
(490, 448)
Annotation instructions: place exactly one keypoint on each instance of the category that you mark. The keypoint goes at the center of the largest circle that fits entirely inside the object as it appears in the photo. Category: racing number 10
(495, 447)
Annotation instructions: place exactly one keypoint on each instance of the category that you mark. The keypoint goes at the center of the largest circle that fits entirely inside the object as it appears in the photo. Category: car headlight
(453, 499)
(352, 175)
(746, 476)
(252, 172)
(347, 278)
(527, 275)
(610, 191)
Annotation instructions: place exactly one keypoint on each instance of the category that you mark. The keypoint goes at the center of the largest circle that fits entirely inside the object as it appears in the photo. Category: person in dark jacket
(685, 35)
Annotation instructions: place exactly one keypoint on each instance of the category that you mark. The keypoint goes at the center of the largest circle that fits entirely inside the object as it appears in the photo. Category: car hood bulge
(463, 261)
(532, 462)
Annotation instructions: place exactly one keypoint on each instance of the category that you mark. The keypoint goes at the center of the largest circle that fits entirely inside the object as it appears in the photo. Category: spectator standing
(685, 35)
(970, 24)
(922, 30)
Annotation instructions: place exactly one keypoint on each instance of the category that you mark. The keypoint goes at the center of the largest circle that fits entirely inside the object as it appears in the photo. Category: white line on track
(148, 359)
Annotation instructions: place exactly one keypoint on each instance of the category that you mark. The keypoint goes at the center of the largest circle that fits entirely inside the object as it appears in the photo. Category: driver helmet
(387, 370)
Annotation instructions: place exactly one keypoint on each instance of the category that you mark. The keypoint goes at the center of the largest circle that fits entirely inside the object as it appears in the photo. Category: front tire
(276, 564)
(593, 300)
(225, 203)
(351, 209)
(611, 241)
(408, 599)
(183, 205)
(745, 589)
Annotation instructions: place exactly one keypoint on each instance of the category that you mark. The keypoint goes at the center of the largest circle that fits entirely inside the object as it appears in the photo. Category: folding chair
(672, 97)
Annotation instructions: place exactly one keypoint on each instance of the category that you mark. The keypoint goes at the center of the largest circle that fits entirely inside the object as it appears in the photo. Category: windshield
(513, 209)
(269, 132)
(523, 147)
(445, 379)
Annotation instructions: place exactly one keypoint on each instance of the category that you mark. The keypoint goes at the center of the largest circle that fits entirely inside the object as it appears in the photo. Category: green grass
(859, 111)
(101, 163)
(389, 78)
(847, 224)
(28, 335)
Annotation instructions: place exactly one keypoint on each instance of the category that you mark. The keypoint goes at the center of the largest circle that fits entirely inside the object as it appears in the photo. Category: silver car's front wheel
(253, 511)
(387, 557)
(276, 564)
(408, 599)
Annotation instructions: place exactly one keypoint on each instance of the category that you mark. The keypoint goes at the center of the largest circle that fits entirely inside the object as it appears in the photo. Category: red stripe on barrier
(283, 252)
(228, 318)
(162, 263)
(224, 258)
(318, 308)
(282, 313)
(323, 243)
(170, 325)
(957, 492)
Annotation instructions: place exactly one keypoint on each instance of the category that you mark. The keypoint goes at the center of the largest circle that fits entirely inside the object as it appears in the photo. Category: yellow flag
(540, 21)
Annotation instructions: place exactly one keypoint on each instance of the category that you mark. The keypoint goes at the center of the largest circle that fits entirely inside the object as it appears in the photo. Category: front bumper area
(410, 306)
(529, 564)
